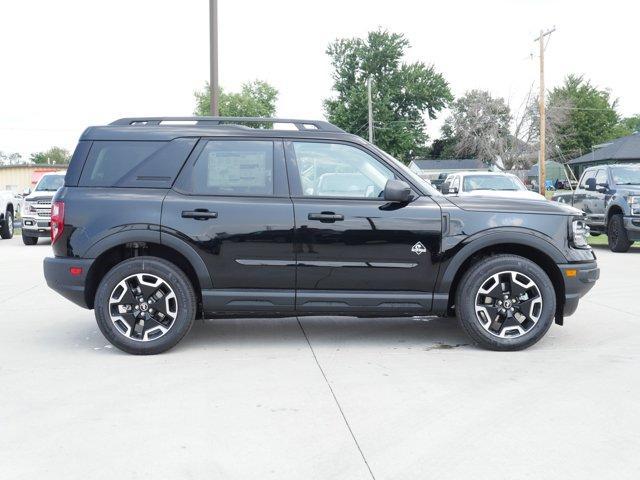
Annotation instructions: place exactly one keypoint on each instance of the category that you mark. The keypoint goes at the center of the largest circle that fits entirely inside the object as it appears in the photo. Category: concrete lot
(249, 399)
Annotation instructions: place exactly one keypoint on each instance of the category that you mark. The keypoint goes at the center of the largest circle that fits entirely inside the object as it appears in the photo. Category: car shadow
(422, 332)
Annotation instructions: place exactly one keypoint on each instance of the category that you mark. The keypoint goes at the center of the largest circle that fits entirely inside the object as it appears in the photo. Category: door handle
(199, 214)
(326, 217)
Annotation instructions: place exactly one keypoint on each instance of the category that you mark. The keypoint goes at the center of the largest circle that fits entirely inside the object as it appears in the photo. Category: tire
(137, 332)
(27, 240)
(6, 232)
(617, 235)
(505, 331)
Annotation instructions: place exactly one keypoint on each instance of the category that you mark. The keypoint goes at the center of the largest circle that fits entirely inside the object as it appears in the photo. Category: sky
(65, 65)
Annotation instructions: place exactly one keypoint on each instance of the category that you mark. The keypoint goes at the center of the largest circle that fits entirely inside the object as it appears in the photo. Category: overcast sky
(65, 65)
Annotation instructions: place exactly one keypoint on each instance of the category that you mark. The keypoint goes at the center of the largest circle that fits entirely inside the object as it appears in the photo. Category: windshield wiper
(628, 183)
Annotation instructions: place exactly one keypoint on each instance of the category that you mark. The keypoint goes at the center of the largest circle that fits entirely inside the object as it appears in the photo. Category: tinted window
(50, 183)
(586, 176)
(110, 161)
(229, 167)
(336, 170)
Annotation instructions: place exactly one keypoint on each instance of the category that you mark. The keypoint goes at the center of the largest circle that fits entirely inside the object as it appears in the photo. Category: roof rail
(317, 125)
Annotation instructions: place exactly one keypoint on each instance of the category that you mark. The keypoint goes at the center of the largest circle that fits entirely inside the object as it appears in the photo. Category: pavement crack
(335, 398)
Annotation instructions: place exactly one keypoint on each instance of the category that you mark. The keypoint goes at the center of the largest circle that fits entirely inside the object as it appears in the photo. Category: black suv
(165, 220)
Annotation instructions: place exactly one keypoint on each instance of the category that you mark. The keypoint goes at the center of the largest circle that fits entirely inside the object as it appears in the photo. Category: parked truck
(9, 208)
(610, 197)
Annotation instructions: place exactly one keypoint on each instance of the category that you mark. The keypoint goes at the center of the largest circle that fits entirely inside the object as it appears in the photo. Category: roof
(449, 164)
(623, 148)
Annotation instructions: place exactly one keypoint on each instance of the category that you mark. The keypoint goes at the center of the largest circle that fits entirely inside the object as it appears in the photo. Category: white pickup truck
(9, 208)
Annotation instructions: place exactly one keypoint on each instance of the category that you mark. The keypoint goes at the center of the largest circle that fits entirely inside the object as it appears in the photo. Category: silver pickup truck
(36, 214)
(9, 208)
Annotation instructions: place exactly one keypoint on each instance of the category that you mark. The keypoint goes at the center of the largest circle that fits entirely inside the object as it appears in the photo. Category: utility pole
(543, 119)
(369, 102)
(213, 54)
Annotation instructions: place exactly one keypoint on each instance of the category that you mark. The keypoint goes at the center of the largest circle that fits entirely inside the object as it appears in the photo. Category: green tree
(255, 99)
(628, 125)
(592, 117)
(402, 92)
(53, 156)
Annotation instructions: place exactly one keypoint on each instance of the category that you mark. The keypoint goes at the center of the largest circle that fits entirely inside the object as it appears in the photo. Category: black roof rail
(317, 125)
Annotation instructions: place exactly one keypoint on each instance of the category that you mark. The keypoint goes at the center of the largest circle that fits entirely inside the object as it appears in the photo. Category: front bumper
(577, 285)
(59, 278)
(632, 226)
(36, 227)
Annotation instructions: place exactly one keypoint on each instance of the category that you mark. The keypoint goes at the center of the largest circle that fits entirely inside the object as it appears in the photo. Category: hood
(493, 203)
(632, 189)
(44, 195)
(504, 193)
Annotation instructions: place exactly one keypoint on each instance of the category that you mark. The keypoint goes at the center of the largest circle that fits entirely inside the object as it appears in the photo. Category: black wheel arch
(527, 245)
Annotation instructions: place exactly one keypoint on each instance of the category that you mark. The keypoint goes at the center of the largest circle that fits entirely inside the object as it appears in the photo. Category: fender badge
(418, 248)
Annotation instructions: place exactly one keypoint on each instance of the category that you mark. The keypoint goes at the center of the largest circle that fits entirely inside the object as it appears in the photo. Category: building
(431, 169)
(17, 178)
(621, 150)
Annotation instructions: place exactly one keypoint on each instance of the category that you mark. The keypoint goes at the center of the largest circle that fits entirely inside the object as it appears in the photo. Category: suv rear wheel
(145, 305)
(617, 235)
(6, 231)
(505, 302)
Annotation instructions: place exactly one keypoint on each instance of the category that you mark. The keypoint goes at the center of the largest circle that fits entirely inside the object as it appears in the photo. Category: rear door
(231, 204)
(355, 251)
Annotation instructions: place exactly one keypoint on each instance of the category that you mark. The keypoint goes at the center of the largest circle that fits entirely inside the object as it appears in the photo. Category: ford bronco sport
(164, 220)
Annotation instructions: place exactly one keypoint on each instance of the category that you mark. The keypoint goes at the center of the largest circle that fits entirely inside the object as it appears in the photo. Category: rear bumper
(59, 278)
(575, 287)
(632, 226)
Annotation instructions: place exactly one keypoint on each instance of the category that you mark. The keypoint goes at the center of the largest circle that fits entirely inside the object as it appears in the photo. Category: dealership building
(17, 178)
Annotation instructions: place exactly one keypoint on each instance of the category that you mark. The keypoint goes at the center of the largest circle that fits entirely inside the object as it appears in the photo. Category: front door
(356, 252)
(231, 203)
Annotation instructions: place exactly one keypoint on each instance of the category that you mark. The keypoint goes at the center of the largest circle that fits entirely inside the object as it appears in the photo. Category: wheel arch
(116, 248)
(614, 209)
(529, 246)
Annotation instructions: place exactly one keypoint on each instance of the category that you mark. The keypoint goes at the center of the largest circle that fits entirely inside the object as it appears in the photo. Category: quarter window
(228, 167)
(337, 170)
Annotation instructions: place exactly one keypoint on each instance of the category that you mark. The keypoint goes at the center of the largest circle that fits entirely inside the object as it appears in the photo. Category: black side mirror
(444, 188)
(397, 191)
(591, 184)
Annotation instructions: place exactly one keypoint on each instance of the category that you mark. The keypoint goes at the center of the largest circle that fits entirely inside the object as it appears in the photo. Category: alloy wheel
(143, 307)
(508, 304)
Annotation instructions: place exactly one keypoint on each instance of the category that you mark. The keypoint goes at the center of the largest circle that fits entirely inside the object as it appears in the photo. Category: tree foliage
(592, 117)
(255, 99)
(53, 156)
(402, 93)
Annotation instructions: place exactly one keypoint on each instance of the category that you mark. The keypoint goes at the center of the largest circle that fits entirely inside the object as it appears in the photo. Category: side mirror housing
(397, 191)
(591, 184)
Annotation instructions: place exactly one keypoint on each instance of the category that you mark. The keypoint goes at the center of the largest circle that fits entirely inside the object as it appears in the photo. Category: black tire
(173, 277)
(6, 232)
(477, 276)
(27, 240)
(617, 235)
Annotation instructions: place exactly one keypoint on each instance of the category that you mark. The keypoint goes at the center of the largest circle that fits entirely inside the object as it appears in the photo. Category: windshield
(413, 176)
(50, 183)
(629, 175)
(491, 182)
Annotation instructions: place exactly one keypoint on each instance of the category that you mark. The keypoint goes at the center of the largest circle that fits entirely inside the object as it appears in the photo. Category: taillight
(57, 220)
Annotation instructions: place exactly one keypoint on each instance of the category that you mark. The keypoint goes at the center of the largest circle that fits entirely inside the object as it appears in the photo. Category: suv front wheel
(145, 305)
(617, 235)
(505, 302)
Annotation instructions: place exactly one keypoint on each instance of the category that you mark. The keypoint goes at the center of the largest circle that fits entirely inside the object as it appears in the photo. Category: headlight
(579, 233)
(29, 207)
(634, 204)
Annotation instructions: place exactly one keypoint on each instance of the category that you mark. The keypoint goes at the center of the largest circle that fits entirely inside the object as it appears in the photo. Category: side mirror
(444, 188)
(591, 184)
(397, 191)
(26, 192)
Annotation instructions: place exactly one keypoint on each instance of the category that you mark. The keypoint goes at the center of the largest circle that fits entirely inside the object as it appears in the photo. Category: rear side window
(230, 167)
(134, 163)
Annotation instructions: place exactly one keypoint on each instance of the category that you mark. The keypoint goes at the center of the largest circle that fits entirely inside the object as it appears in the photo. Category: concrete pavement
(337, 398)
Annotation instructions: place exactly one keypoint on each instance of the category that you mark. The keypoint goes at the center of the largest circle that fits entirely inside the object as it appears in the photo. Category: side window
(456, 182)
(110, 161)
(585, 177)
(601, 177)
(233, 167)
(337, 170)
